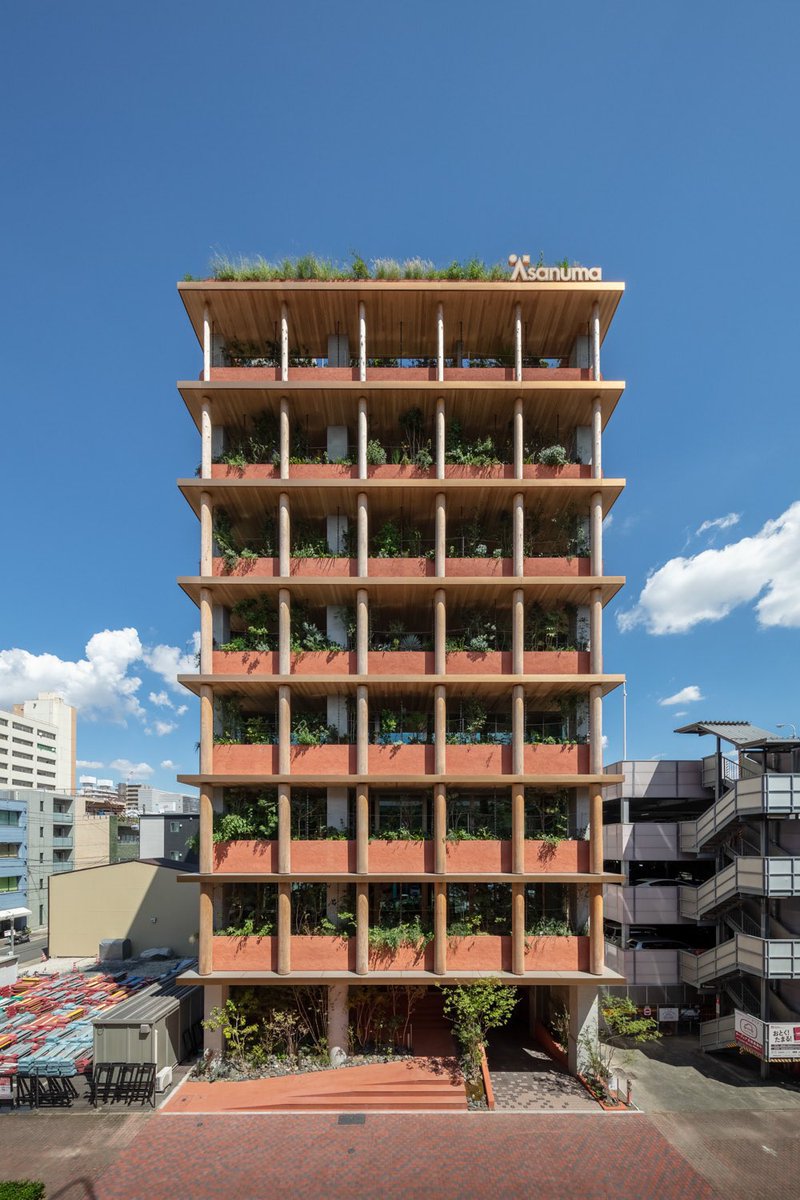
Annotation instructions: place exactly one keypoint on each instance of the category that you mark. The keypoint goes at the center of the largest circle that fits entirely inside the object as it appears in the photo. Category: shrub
(553, 456)
(474, 1009)
(22, 1189)
(376, 455)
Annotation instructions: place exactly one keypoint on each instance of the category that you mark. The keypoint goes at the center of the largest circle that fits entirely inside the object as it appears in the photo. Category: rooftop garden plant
(313, 267)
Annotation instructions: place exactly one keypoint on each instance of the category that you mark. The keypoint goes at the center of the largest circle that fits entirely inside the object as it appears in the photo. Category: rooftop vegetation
(311, 266)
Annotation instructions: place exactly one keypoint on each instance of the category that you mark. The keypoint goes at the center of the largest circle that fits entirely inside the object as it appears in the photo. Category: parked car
(20, 936)
(657, 944)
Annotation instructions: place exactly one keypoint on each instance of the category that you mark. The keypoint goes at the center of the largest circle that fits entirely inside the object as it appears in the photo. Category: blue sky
(656, 141)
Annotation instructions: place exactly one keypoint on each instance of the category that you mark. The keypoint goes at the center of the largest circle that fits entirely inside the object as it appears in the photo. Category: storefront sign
(539, 273)
(783, 1041)
(749, 1033)
(667, 1014)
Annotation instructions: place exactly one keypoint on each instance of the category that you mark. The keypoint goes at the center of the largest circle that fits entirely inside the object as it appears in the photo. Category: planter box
(323, 855)
(555, 662)
(570, 471)
(556, 953)
(251, 374)
(245, 857)
(399, 374)
(396, 471)
(392, 568)
(319, 374)
(246, 566)
(399, 759)
(478, 374)
(322, 471)
(479, 953)
(323, 662)
(244, 662)
(400, 662)
(564, 856)
(484, 856)
(544, 373)
(315, 567)
(471, 662)
(323, 760)
(495, 471)
(569, 567)
(400, 857)
(459, 568)
(404, 958)
(250, 471)
(319, 953)
(478, 760)
(258, 761)
(556, 760)
(244, 953)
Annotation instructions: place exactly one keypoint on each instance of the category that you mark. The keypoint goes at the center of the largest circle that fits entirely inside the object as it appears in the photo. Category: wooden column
(440, 343)
(205, 437)
(284, 928)
(284, 829)
(439, 729)
(284, 730)
(440, 436)
(439, 928)
(284, 631)
(518, 828)
(362, 731)
(519, 440)
(362, 532)
(205, 964)
(362, 437)
(206, 730)
(519, 534)
(284, 343)
(206, 631)
(284, 443)
(518, 730)
(206, 533)
(362, 829)
(207, 344)
(441, 534)
(439, 828)
(362, 929)
(362, 631)
(518, 631)
(362, 342)
(518, 928)
(597, 949)
(439, 632)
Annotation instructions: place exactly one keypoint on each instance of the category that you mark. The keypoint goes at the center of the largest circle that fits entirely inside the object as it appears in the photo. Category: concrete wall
(120, 901)
(645, 841)
(92, 837)
(680, 778)
(166, 836)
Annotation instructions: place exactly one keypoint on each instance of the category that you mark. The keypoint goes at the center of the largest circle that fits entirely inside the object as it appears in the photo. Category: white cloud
(88, 762)
(708, 586)
(682, 713)
(608, 520)
(719, 523)
(604, 742)
(168, 765)
(160, 699)
(170, 661)
(124, 766)
(687, 695)
(162, 728)
(181, 709)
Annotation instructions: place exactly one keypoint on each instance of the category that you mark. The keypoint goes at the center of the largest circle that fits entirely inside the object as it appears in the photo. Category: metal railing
(767, 795)
(765, 958)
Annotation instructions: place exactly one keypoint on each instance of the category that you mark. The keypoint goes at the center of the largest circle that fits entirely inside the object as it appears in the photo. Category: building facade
(37, 744)
(171, 836)
(40, 827)
(143, 798)
(401, 592)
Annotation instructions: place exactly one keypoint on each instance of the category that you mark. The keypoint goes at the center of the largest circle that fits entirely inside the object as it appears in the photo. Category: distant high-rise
(38, 743)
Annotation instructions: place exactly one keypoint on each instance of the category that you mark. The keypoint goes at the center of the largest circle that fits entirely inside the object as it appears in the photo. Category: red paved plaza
(441, 1157)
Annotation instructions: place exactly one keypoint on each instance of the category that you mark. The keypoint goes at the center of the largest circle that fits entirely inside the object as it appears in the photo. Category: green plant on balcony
(247, 818)
(249, 927)
(399, 833)
(376, 455)
(232, 550)
(547, 815)
(549, 629)
(311, 266)
(238, 353)
(309, 541)
(388, 939)
(259, 634)
(472, 721)
(394, 540)
(558, 535)
(461, 833)
(466, 926)
(415, 449)
(548, 926)
(259, 444)
(553, 456)
(474, 1009)
(477, 635)
(397, 638)
(311, 729)
(458, 451)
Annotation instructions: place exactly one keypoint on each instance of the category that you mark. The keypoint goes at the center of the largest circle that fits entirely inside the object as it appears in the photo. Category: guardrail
(766, 958)
(767, 795)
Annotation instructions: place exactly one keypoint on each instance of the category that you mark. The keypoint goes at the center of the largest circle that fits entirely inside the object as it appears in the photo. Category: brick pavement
(442, 1157)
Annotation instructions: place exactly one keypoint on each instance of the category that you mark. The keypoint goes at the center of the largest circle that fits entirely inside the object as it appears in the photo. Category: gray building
(143, 798)
(45, 847)
(171, 836)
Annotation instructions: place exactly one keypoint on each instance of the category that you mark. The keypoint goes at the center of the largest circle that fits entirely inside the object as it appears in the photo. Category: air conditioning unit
(164, 1079)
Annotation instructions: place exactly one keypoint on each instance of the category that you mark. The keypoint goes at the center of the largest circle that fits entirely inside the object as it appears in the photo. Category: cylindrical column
(284, 928)
(284, 535)
(205, 437)
(284, 729)
(362, 929)
(518, 342)
(206, 533)
(518, 928)
(284, 829)
(362, 342)
(207, 346)
(519, 534)
(441, 533)
(518, 828)
(284, 343)
(205, 964)
(518, 730)
(596, 937)
(439, 632)
(518, 631)
(284, 443)
(519, 439)
(439, 828)
(362, 731)
(595, 341)
(362, 828)
(597, 438)
(206, 730)
(206, 631)
(206, 848)
(596, 632)
(362, 632)
(596, 533)
(363, 437)
(439, 729)
(363, 534)
(440, 436)
(439, 928)
(596, 768)
(338, 1023)
(440, 343)
(284, 632)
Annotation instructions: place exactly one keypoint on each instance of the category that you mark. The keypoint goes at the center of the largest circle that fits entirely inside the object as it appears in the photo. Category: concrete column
(596, 768)
(597, 947)
(518, 928)
(362, 534)
(284, 928)
(519, 534)
(440, 343)
(362, 829)
(362, 631)
(284, 631)
(206, 533)
(362, 731)
(284, 829)
(582, 1003)
(519, 439)
(440, 436)
(205, 437)
(205, 958)
(215, 995)
(439, 828)
(439, 928)
(440, 729)
(597, 438)
(206, 631)
(439, 632)
(518, 828)
(206, 850)
(518, 343)
(206, 730)
(518, 631)
(518, 730)
(362, 437)
(595, 341)
(362, 929)
(362, 343)
(284, 535)
(284, 443)
(284, 343)
(338, 1019)
(596, 632)
(441, 534)
(284, 729)
(207, 334)
(596, 533)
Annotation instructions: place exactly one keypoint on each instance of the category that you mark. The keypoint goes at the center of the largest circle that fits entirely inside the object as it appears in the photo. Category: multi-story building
(44, 844)
(401, 592)
(170, 836)
(13, 861)
(37, 745)
(143, 798)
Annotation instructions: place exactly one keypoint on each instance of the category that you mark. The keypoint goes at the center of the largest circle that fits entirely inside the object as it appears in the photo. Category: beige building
(37, 744)
(139, 900)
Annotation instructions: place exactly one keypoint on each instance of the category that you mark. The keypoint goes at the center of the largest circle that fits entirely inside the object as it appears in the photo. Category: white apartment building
(144, 798)
(37, 744)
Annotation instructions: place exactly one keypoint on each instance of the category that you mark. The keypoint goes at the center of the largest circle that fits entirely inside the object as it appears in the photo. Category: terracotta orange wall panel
(322, 471)
(473, 760)
(321, 567)
(326, 854)
(404, 958)
(318, 953)
(247, 566)
(245, 954)
(250, 471)
(467, 662)
(400, 662)
(245, 760)
(317, 760)
(484, 953)
(401, 760)
(556, 760)
(247, 662)
(488, 856)
(393, 568)
(245, 857)
(555, 662)
(323, 662)
(565, 856)
(388, 857)
(570, 567)
(556, 954)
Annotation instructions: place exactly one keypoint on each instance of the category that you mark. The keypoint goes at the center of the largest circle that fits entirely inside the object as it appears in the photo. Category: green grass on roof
(309, 266)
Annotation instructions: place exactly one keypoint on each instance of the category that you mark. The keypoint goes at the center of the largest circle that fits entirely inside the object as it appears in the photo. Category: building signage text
(539, 273)
(772, 1041)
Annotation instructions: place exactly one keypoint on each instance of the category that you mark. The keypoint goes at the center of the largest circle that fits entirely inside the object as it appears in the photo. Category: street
(30, 952)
